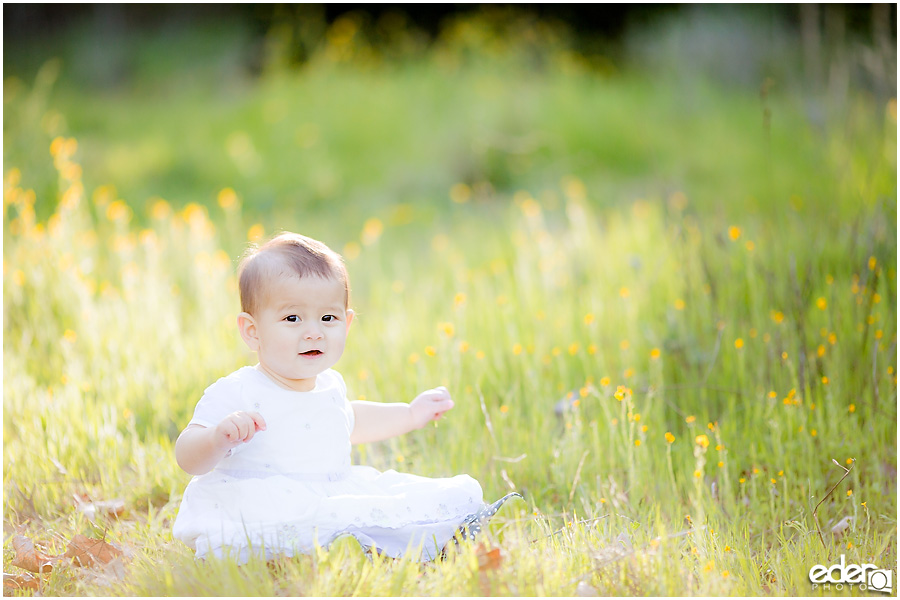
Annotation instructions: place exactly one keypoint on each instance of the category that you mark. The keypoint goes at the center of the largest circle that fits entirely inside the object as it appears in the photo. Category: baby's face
(302, 329)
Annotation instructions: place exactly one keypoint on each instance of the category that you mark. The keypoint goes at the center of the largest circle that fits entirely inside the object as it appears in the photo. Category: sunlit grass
(665, 379)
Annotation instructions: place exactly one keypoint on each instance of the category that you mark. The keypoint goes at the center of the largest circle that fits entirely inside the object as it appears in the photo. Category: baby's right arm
(199, 448)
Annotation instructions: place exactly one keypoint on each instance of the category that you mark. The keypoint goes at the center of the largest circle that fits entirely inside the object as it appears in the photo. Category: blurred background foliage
(301, 106)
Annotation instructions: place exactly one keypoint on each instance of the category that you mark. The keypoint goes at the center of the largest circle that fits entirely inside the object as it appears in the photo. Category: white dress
(293, 486)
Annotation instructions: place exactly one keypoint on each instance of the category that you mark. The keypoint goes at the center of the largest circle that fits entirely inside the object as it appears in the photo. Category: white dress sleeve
(218, 401)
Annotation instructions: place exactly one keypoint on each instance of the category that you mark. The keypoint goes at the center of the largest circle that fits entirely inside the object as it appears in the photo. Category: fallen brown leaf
(28, 557)
(22, 581)
(488, 560)
(87, 552)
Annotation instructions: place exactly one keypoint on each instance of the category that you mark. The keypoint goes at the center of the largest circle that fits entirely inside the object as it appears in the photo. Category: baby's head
(287, 255)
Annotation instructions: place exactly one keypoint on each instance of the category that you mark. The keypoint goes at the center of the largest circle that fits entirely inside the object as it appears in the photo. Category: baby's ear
(247, 327)
(350, 315)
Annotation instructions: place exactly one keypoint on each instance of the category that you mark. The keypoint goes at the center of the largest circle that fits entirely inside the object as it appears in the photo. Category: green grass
(616, 234)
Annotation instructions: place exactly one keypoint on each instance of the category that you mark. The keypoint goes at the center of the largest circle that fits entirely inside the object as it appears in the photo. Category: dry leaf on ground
(488, 559)
(29, 558)
(87, 552)
(21, 581)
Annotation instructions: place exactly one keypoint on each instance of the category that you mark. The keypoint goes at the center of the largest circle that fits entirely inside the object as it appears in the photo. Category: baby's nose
(313, 333)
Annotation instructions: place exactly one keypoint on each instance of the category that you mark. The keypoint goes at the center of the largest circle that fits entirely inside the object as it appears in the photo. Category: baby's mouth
(311, 353)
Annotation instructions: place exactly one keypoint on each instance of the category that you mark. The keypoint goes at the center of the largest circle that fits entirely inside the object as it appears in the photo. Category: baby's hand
(239, 427)
(430, 406)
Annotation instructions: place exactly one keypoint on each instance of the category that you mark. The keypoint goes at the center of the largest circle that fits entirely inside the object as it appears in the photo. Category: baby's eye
(292, 318)
(329, 318)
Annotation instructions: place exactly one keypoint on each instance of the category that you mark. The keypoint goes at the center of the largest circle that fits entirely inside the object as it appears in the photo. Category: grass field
(709, 293)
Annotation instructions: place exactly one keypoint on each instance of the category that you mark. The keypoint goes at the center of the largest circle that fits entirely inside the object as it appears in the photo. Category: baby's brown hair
(287, 254)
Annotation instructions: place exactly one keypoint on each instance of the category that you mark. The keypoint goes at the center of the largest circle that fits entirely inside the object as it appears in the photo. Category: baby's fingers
(249, 423)
(230, 430)
(439, 406)
(259, 424)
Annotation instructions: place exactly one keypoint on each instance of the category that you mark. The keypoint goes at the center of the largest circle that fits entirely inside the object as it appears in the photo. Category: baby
(269, 445)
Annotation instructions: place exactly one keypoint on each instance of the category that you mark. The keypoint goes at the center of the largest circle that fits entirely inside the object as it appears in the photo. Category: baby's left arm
(377, 421)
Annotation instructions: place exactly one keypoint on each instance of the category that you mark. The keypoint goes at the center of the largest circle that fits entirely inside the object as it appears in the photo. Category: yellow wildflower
(460, 193)
(118, 211)
(256, 233)
(372, 230)
(227, 198)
